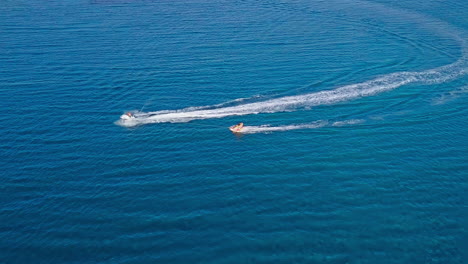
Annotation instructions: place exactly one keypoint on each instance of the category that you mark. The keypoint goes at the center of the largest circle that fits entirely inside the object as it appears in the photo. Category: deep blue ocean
(355, 147)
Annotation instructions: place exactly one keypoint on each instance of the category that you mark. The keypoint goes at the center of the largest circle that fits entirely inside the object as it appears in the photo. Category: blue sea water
(355, 148)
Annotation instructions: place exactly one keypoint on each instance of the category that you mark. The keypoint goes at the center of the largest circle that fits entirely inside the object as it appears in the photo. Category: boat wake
(313, 125)
(372, 87)
(292, 103)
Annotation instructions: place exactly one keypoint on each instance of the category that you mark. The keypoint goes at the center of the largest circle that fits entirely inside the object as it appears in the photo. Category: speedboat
(127, 116)
(237, 128)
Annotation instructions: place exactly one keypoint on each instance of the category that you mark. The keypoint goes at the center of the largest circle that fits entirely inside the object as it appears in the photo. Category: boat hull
(235, 129)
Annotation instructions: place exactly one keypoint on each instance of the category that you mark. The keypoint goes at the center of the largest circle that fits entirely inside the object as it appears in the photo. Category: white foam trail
(348, 122)
(290, 103)
(269, 129)
(314, 125)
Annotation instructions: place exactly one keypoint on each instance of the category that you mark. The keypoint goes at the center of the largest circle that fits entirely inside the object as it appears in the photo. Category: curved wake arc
(380, 84)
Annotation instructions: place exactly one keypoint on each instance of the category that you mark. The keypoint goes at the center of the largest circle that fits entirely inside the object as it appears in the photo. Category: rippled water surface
(355, 148)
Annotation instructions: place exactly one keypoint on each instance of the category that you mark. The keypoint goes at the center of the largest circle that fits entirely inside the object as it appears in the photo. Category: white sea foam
(313, 125)
(347, 122)
(269, 129)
